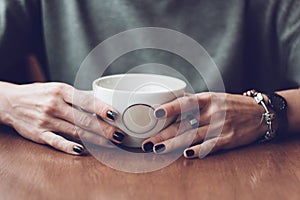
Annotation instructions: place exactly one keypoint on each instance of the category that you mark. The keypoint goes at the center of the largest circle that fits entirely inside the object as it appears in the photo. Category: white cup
(135, 97)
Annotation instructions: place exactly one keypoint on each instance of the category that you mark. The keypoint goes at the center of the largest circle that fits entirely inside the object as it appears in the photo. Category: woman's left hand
(222, 121)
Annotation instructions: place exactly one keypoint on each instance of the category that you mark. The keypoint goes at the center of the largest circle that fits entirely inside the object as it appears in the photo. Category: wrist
(6, 89)
(267, 118)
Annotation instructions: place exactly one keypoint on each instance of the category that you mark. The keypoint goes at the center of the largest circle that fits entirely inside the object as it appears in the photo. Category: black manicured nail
(190, 153)
(118, 136)
(77, 149)
(112, 115)
(159, 148)
(148, 146)
(160, 113)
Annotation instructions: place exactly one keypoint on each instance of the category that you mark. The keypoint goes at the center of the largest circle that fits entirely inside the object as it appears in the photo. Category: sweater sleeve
(288, 31)
(19, 28)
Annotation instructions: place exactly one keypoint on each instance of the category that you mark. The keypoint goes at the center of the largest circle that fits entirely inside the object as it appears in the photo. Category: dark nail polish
(190, 153)
(160, 113)
(77, 149)
(159, 148)
(118, 136)
(112, 115)
(148, 146)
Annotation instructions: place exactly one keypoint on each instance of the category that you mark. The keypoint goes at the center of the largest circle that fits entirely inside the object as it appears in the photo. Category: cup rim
(180, 86)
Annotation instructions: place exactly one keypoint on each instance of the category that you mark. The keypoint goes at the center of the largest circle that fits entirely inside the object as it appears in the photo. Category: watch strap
(279, 105)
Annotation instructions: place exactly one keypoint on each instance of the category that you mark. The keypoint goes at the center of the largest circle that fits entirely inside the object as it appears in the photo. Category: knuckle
(210, 111)
(191, 101)
(57, 142)
(207, 95)
(184, 126)
(85, 102)
(97, 103)
(80, 133)
(108, 131)
(216, 110)
(39, 138)
(159, 138)
(228, 141)
(198, 135)
(220, 114)
(214, 99)
(50, 105)
(61, 87)
(67, 113)
(162, 136)
(225, 141)
(53, 142)
(81, 119)
(43, 121)
(56, 89)
(86, 120)
(75, 132)
(172, 107)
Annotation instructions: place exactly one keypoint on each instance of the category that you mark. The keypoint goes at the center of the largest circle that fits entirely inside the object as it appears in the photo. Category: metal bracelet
(267, 117)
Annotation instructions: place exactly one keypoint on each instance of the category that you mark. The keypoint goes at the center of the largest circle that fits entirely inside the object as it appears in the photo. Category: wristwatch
(279, 105)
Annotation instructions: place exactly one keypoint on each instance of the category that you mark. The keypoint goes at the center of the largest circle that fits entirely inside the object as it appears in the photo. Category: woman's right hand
(45, 113)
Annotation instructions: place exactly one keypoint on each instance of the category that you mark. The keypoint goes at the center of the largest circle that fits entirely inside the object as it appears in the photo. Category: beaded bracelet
(267, 117)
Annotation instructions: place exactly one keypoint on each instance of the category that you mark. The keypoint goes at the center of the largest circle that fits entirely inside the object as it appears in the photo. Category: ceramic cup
(135, 97)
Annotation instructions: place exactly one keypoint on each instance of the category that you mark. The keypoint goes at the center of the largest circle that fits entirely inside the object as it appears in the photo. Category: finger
(58, 123)
(94, 139)
(45, 122)
(89, 103)
(207, 147)
(76, 132)
(91, 123)
(62, 144)
(64, 127)
(99, 127)
(182, 141)
(172, 131)
(183, 104)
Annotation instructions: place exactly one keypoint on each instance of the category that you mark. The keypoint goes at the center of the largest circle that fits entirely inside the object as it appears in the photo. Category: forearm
(5, 91)
(293, 112)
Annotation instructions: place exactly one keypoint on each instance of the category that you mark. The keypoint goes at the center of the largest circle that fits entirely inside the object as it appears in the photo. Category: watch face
(277, 102)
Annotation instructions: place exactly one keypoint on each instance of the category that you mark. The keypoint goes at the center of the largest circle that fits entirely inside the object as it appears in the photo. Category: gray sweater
(254, 43)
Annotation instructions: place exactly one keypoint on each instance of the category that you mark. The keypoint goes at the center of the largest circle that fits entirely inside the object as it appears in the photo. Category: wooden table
(32, 171)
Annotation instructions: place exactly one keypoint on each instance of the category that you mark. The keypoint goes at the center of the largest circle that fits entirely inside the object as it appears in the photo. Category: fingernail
(118, 136)
(159, 148)
(160, 113)
(189, 153)
(148, 146)
(112, 115)
(77, 149)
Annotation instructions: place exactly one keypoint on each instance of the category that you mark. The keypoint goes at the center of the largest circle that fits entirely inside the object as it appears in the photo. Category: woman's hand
(43, 112)
(217, 121)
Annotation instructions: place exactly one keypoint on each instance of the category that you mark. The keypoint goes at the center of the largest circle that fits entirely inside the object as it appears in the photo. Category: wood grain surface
(262, 171)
